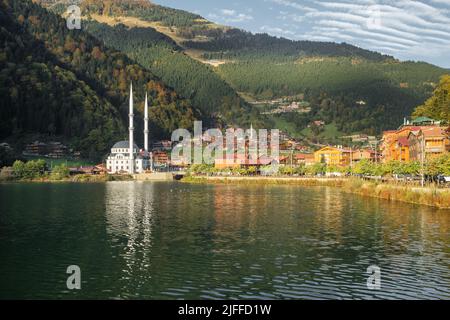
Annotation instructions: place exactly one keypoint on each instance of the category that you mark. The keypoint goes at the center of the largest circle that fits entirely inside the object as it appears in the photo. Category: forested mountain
(365, 96)
(353, 89)
(239, 44)
(67, 83)
(163, 57)
(142, 9)
(38, 94)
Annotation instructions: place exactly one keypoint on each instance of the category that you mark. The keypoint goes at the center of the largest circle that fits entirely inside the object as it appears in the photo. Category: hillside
(67, 83)
(164, 58)
(352, 89)
(41, 96)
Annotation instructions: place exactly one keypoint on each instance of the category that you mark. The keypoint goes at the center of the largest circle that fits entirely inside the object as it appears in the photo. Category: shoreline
(429, 196)
(74, 179)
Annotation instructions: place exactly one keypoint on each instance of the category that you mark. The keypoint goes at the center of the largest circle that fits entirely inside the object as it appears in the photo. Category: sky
(405, 29)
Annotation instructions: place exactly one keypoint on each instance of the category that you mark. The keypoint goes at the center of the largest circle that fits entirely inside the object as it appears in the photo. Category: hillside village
(415, 141)
(326, 128)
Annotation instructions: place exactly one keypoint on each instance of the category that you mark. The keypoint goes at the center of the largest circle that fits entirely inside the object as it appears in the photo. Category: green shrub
(60, 172)
(29, 170)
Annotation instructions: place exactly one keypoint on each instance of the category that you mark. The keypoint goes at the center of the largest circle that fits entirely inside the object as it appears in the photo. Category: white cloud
(404, 28)
(277, 30)
(228, 12)
(230, 16)
(293, 4)
(401, 27)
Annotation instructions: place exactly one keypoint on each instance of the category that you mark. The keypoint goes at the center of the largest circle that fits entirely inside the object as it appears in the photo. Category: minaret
(251, 131)
(131, 128)
(146, 124)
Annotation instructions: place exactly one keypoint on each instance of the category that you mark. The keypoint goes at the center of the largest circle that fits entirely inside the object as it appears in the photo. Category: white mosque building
(125, 156)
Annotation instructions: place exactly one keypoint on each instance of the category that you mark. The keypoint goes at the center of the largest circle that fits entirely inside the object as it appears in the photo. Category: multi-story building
(429, 141)
(360, 154)
(160, 158)
(395, 145)
(36, 148)
(337, 156)
(306, 159)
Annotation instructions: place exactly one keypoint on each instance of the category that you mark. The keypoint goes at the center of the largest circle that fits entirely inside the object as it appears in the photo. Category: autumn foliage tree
(438, 105)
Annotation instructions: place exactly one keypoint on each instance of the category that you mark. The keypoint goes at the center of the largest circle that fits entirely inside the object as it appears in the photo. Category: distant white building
(119, 159)
(125, 156)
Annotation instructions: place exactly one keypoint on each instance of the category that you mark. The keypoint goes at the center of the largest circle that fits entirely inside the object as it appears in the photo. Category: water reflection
(175, 240)
(225, 241)
(129, 213)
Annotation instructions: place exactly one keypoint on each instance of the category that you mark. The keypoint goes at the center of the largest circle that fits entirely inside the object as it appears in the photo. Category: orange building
(306, 159)
(434, 141)
(358, 155)
(395, 145)
(160, 157)
(400, 149)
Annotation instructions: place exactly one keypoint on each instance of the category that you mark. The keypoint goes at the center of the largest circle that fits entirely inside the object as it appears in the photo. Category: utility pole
(292, 151)
(351, 159)
(423, 159)
(376, 151)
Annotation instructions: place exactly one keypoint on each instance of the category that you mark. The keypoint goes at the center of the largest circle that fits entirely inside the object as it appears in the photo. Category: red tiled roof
(265, 160)
(304, 156)
(433, 132)
(403, 141)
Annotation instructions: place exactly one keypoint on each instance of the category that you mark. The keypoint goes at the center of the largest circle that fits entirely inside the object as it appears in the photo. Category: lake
(163, 240)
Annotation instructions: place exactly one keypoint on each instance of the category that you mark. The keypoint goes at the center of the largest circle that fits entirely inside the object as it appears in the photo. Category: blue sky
(406, 29)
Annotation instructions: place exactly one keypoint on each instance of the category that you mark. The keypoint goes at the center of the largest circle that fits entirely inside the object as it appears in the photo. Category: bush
(201, 169)
(315, 169)
(18, 169)
(286, 170)
(6, 174)
(440, 165)
(30, 170)
(60, 172)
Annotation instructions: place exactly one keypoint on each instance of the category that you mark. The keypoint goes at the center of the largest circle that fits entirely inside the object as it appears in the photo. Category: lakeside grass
(428, 195)
(80, 178)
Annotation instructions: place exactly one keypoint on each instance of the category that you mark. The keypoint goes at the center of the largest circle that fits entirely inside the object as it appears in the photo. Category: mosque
(125, 156)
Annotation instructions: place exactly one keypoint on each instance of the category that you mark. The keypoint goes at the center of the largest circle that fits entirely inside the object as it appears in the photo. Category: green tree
(316, 168)
(440, 165)
(18, 169)
(438, 105)
(60, 172)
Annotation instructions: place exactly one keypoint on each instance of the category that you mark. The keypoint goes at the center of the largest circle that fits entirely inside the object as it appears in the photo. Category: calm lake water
(180, 241)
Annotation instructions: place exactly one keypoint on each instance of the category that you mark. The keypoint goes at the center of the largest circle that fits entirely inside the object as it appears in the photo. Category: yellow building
(336, 156)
